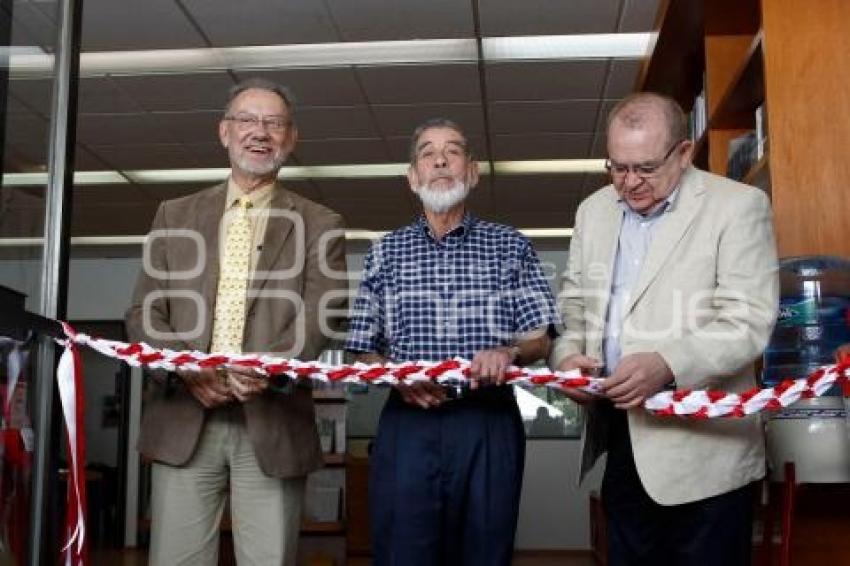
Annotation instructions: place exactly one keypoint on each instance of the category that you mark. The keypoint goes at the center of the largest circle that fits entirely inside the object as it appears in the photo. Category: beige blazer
(706, 300)
(281, 426)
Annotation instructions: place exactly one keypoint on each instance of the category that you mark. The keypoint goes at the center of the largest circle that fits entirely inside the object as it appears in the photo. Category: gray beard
(440, 201)
(261, 169)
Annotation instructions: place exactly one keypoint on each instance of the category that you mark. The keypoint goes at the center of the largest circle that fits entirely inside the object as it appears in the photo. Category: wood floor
(138, 558)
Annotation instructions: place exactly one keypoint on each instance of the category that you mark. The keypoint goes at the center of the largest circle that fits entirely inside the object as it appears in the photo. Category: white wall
(553, 512)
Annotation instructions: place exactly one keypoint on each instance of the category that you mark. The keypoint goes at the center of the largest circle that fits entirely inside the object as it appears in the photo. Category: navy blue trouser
(710, 532)
(445, 482)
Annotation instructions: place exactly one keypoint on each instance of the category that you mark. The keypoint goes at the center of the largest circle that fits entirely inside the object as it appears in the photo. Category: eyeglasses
(645, 170)
(450, 152)
(245, 122)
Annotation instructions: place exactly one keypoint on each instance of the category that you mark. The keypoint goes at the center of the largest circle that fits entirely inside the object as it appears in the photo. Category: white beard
(442, 200)
(272, 163)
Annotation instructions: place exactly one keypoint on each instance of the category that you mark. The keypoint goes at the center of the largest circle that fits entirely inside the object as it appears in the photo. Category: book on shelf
(330, 421)
(761, 131)
(742, 156)
(323, 504)
(698, 119)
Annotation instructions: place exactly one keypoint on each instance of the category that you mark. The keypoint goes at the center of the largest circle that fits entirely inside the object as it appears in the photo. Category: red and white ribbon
(703, 404)
(69, 378)
(683, 403)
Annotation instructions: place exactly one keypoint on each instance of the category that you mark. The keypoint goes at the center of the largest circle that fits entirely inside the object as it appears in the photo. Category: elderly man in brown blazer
(245, 266)
(671, 282)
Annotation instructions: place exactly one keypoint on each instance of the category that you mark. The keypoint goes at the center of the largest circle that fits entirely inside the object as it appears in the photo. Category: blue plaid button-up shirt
(478, 287)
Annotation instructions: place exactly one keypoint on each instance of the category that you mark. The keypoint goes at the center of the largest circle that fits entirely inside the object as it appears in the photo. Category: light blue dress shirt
(635, 238)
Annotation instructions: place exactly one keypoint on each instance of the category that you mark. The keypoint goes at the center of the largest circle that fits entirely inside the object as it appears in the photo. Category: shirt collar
(455, 235)
(260, 197)
(666, 205)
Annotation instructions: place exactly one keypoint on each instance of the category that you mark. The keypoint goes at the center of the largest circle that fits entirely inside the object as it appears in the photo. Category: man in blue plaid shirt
(447, 472)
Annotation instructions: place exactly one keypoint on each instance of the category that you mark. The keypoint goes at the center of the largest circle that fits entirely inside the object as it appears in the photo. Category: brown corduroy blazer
(302, 264)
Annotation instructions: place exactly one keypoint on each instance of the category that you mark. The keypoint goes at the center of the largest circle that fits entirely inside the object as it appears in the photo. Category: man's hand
(245, 383)
(637, 377)
(206, 386)
(489, 366)
(425, 394)
(588, 366)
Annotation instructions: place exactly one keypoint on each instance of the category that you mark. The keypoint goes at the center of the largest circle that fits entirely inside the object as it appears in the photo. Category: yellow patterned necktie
(229, 317)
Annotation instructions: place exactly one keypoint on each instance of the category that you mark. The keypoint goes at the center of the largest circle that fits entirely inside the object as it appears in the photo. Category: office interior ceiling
(357, 114)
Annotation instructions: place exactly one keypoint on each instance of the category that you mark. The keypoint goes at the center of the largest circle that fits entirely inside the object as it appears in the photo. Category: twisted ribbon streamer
(698, 404)
(683, 403)
(69, 377)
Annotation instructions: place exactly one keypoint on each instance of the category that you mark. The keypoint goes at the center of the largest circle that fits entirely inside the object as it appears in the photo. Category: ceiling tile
(545, 80)
(599, 148)
(207, 154)
(414, 84)
(594, 182)
(321, 152)
(102, 96)
(180, 93)
(32, 25)
(36, 95)
(400, 147)
(542, 146)
(605, 106)
(192, 127)
(307, 189)
(144, 156)
(86, 160)
(316, 87)
(26, 138)
(153, 24)
(574, 116)
(260, 22)
(359, 21)
(322, 122)
(159, 193)
(639, 15)
(115, 129)
(622, 79)
(401, 120)
(113, 219)
(108, 195)
(548, 17)
(367, 190)
(15, 106)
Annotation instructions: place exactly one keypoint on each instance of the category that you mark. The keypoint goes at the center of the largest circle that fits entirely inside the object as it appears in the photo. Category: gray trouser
(187, 503)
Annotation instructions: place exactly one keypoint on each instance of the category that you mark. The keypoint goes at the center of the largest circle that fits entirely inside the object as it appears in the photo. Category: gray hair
(430, 124)
(262, 84)
(637, 109)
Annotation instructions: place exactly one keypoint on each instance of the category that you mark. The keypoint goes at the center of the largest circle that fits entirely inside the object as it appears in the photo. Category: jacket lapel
(607, 237)
(671, 230)
(278, 228)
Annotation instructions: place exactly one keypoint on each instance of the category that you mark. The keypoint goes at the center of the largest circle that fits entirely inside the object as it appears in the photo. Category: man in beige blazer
(671, 282)
(203, 430)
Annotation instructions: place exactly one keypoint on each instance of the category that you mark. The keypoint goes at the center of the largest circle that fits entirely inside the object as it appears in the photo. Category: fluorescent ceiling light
(368, 235)
(310, 55)
(585, 46)
(537, 233)
(539, 166)
(352, 171)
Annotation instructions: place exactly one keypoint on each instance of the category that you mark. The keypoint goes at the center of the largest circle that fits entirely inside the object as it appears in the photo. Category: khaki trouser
(187, 502)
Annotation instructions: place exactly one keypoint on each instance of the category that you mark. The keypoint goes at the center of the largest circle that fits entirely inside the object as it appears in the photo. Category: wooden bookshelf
(793, 57)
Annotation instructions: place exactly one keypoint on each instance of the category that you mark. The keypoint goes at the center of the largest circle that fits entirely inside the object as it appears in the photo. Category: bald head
(641, 109)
